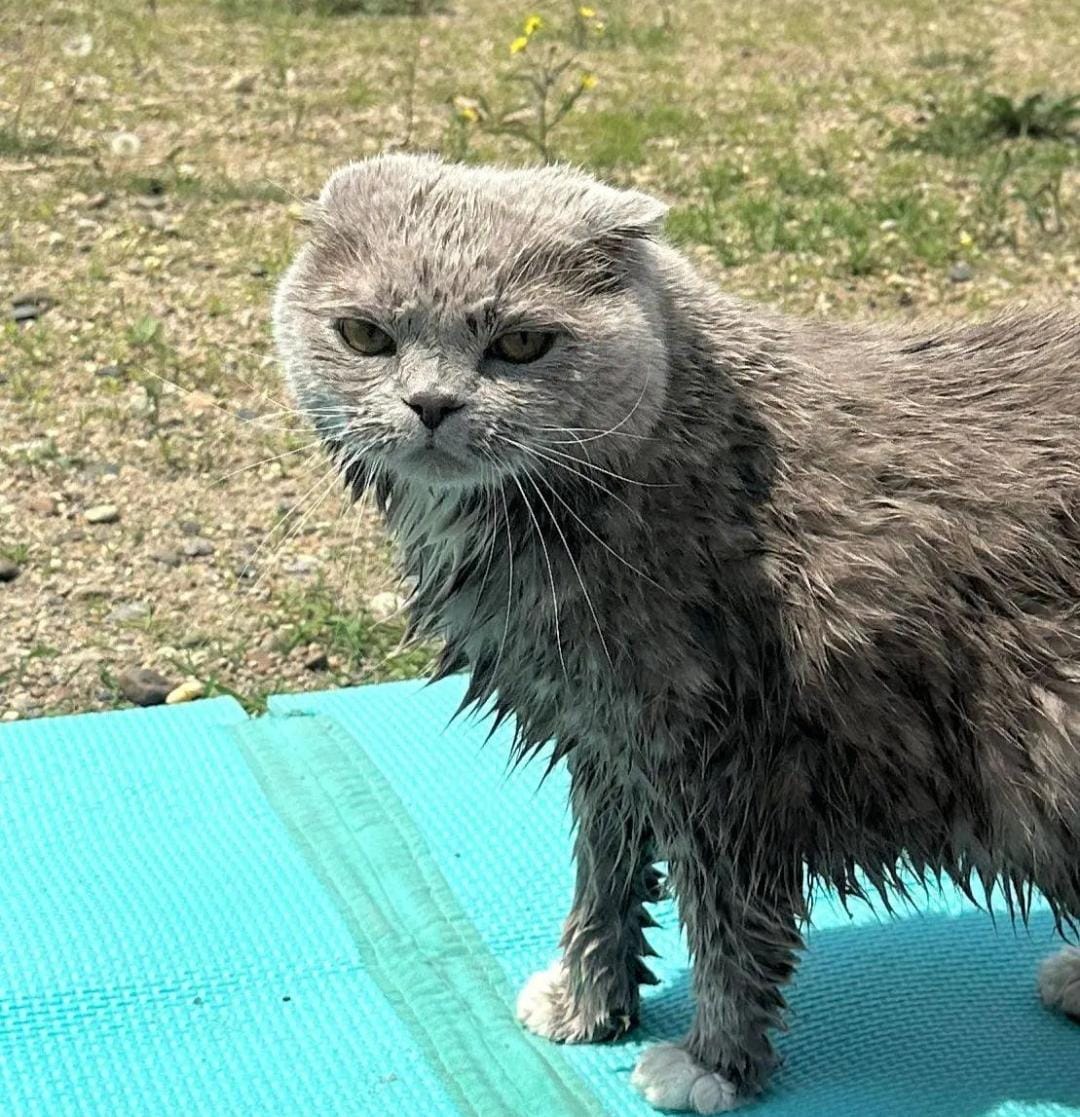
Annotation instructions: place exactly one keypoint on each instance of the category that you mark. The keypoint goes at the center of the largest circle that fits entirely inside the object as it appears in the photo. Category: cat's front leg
(741, 928)
(590, 993)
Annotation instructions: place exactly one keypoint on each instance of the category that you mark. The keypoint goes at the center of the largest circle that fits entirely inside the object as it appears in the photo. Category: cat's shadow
(928, 1016)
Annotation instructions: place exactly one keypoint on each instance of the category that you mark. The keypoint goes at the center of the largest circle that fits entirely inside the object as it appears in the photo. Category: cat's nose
(433, 406)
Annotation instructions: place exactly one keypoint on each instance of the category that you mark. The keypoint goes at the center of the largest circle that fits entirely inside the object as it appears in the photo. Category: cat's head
(455, 325)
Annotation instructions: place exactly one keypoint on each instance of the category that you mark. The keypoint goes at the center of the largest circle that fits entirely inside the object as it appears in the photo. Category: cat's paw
(1059, 982)
(547, 1008)
(669, 1077)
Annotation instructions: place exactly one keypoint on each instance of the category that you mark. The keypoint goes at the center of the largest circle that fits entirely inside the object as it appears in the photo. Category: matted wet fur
(791, 599)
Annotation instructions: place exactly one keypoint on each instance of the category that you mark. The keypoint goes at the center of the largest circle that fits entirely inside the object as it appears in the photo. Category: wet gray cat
(792, 600)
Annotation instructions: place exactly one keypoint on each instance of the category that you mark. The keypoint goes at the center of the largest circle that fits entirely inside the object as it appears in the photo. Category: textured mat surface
(327, 911)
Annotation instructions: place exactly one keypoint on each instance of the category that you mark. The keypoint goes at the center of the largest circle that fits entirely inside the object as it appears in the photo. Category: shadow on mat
(926, 1016)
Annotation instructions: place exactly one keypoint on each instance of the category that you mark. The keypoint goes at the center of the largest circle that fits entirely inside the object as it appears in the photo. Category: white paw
(541, 1002)
(546, 1007)
(670, 1078)
(1059, 981)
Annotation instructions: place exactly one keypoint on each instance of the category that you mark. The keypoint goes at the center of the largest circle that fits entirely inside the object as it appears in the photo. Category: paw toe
(537, 1006)
(670, 1078)
(1059, 982)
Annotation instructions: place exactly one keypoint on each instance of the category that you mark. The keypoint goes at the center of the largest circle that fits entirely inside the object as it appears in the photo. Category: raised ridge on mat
(419, 946)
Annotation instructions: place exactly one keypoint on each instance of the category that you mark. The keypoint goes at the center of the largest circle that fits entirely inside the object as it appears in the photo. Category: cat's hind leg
(1059, 982)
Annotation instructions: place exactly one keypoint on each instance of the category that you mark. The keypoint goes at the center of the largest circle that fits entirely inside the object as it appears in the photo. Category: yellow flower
(589, 81)
(532, 25)
(469, 114)
(519, 44)
(587, 13)
(966, 238)
(598, 27)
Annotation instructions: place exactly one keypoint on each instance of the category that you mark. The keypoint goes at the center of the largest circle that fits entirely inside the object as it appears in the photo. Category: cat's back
(978, 407)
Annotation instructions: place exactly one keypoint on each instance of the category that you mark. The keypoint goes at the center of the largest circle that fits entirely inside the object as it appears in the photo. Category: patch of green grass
(962, 123)
(361, 642)
(804, 208)
(14, 143)
(254, 9)
(187, 187)
(17, 553)
(624, 27)
(611, 138)
(358, 94)
(966, 61)
(1038, 116)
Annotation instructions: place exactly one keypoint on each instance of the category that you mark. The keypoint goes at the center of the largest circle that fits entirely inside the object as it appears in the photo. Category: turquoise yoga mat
(327, 911)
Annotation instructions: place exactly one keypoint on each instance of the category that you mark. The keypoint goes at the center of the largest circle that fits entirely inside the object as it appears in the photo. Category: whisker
(331, 475)
(550, 569)
(579, 476)
(607, 547)
(573, 563)
(625, 419)
(265, 461)
(509, 581)
(598, 468)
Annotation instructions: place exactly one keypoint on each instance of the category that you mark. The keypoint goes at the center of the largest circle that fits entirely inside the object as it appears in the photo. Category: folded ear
(602, 211)
(626, 215)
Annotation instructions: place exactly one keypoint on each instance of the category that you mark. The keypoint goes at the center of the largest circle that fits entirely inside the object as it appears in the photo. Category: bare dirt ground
(161, 507)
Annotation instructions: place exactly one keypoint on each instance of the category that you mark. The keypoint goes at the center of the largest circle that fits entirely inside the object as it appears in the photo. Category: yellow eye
(365, 337)
(519, 347)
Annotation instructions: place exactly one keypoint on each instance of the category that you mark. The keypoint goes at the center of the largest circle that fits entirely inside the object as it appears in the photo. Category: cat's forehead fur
(418, 219)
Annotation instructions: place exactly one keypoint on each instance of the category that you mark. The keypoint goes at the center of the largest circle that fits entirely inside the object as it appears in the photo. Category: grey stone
(197, 547)
(102, 514)
(144, 686)
(132, 611)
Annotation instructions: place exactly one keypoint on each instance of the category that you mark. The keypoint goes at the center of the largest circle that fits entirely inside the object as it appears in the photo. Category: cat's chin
(437, 468)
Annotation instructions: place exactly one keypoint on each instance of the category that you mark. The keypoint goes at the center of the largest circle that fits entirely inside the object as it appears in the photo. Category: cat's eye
(520, 347)
(365, 337)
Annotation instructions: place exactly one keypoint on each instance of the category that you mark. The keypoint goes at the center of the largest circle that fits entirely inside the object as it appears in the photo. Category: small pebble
(8, 571)
(145, 687)
(191, 527)
(43, 505)
(315, 659)
(187, 691)
(102, 514)
(167, 558)
(30, 305)
(961, 272)
(109, 372)
(241, 83)
(132, 611)
(197, 547)
(89, 592)
(302, 565)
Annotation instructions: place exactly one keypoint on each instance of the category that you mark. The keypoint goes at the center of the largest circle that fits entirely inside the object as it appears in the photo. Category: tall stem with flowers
(550, 78)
